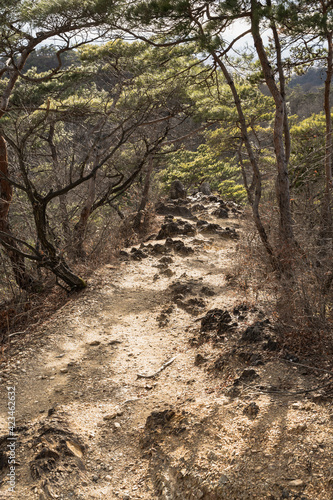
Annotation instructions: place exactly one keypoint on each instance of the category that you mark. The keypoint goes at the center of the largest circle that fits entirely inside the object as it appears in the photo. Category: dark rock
(253, 333)
(205, 188)
(159, 419)
(200, 360)
(178, 246)
(256, 360)
(228, 233)
(167, 230)
(188, 229)
(169, 242)
(158, 248)
(177, 190)
(240, 308)
(180, 288)
(201, 223)
(219, 364)
(233, 392)
(173, 210)
(174, 228)
(183, 250)
(248, 375)
(251, 410)
(223, 480)
(122, 253)
(271, 345)
(166, 260)
(167, 272)
(213, 198)
(139, 255)
(222, 213)
(207, 291)
(291, 357)
(209, 228)
(197, 207)
(182, 201)
(216, 319)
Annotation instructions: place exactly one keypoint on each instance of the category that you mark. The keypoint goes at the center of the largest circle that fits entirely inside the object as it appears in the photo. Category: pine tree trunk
(52, 260)
(145, 196)
(254, 201)
(81, 226)
(326, 205)
(282, 182)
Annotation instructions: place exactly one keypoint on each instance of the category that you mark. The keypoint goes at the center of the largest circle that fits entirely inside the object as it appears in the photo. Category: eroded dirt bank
(161, 381)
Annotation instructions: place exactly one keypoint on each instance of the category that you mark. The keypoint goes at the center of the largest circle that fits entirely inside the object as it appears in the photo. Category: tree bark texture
(326, 209)
(145, 196)
(81, 226)
(254, 201)
(282, 182)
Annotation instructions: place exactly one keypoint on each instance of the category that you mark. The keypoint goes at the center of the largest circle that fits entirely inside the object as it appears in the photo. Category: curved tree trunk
(52, 260)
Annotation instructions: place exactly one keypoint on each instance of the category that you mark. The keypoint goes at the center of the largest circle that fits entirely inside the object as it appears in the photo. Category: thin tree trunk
(145, 196)
(326, 211)
(282, 182)
(81, 226)
(253, 200)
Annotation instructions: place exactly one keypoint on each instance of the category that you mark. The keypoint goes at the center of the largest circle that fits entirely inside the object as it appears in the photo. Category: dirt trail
(89, 426)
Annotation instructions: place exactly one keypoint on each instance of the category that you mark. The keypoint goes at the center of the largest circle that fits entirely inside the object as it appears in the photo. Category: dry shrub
(297, 299)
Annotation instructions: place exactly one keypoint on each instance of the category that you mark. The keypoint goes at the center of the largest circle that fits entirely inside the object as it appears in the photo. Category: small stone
(63, 370)
(211, 455)
(251, 410)
(117, 425)
(111, 416)
(296, 482)
(223, 480)
(94, 343)
(108, 477)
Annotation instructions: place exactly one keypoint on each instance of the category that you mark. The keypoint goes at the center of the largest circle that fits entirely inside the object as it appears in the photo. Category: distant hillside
(45, 59)
(313, 78)
(305, 93)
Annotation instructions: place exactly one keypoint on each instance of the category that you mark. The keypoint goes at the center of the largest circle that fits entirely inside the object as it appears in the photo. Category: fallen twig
(262, 390)
(15, 333)
(167, 363)
(309, 367)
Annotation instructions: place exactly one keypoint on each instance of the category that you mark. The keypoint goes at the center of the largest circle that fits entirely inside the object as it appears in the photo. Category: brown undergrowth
(298, 300)
(20, 311)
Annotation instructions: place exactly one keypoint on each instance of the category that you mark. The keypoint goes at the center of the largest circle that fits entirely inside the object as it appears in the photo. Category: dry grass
(297, 300)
